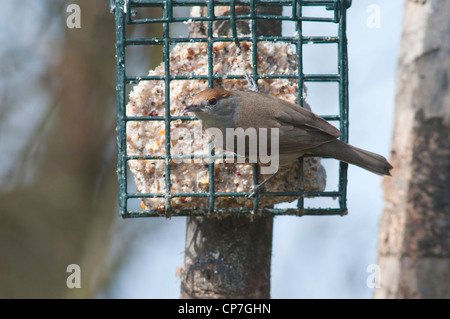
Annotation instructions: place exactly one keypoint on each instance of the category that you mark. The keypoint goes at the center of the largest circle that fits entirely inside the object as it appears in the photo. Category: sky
(313, 257)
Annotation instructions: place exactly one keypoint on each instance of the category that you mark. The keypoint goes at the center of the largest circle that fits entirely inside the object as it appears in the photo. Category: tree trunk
(62, 215)
(229, 257)
(414, 244)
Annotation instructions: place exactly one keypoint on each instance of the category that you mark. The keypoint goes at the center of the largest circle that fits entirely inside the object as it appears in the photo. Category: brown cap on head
(208, 94)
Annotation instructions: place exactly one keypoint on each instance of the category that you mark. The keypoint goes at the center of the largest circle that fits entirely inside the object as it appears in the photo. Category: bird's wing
(300, 129)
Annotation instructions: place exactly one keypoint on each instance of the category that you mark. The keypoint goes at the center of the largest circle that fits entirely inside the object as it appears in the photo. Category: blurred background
(58, 182)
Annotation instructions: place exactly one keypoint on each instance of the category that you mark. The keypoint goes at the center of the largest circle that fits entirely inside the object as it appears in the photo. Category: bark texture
(228, 258)
(414, 243)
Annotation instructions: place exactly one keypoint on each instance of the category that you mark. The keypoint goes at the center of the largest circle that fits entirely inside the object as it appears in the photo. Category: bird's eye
(213, 101)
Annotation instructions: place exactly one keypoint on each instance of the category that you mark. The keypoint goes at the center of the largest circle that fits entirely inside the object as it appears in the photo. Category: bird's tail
(347, 153)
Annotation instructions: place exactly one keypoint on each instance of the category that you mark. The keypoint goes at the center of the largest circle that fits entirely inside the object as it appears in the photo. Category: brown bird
(301, 131)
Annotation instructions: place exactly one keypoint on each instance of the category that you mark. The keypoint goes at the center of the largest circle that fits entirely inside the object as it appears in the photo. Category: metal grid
(124, 16)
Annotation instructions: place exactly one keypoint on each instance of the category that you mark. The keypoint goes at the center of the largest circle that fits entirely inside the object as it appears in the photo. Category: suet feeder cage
(149, 104)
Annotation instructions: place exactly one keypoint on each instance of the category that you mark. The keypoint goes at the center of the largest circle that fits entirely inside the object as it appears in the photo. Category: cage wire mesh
(136, 12)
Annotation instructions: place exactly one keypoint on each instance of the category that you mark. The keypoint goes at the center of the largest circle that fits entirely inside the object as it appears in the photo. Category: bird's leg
(256, 188)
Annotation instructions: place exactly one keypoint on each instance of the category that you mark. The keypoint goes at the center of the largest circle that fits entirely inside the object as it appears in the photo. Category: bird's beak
(193, 108)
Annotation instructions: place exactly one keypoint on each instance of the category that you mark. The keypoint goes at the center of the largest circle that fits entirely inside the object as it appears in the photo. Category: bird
(300, 131)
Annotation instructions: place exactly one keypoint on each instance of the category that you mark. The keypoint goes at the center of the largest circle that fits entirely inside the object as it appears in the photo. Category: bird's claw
(254, 189)
(251, 82)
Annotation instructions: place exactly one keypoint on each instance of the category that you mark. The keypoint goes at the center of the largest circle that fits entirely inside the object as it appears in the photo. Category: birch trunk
(414, 242)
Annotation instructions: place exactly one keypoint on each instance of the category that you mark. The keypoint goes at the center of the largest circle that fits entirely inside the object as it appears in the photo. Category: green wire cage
(294, 13)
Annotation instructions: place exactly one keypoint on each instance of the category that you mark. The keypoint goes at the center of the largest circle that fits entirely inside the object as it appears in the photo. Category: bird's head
(215, 107)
